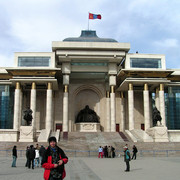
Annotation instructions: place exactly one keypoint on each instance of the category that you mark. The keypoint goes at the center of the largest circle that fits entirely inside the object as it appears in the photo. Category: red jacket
(47, 162)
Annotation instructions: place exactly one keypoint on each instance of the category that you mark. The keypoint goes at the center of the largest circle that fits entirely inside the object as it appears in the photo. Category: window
(33, 61)
(145, 63)
(6, 107)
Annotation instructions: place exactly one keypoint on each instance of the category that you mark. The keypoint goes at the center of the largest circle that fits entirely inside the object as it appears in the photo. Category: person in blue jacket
(127, 158)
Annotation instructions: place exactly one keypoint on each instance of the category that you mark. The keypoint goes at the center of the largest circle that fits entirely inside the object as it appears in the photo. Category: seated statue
(156, 116)
(28, 116)
(87, 115)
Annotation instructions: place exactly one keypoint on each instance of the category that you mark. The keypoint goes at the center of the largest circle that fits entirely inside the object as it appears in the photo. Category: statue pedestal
(26, 134)
(88, 127)
(158, 133)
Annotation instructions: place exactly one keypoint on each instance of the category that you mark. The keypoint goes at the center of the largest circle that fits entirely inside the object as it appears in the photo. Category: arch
(88, 87)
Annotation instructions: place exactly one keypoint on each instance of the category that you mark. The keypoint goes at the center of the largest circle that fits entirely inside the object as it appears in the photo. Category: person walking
(31, 156)
(41, 152)
(14, 154)
(27, 162)
(134, 152)
(100, 152)
(127, 158)
(53, 161)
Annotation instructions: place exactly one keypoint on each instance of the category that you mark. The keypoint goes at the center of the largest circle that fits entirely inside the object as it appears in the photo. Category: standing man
(100, 152)
(53, 161)
(134, 152)
(41, 152)
(127, 158)
(14, 154)
(31, 156)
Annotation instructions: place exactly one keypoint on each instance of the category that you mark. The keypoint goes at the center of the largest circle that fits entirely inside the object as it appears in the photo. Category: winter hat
(52, 139)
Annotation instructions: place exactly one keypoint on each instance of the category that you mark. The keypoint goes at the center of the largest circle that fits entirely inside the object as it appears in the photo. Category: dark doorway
(117, 127)
(142, 127)
(59, 126)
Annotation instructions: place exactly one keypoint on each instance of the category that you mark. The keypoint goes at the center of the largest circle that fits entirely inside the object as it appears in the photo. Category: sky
(150, 26)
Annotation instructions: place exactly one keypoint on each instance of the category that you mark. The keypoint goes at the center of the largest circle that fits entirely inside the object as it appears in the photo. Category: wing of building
(121, 88)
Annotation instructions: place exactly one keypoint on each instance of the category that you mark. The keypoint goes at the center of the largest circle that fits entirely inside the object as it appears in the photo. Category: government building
(122, 89)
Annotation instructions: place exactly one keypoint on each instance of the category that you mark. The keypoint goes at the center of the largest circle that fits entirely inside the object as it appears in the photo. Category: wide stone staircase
(81, 143)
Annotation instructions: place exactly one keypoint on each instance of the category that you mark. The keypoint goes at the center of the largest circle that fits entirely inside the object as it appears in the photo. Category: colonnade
(111, 121)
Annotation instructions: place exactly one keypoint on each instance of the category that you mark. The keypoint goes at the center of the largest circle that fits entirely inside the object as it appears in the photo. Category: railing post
(141, 154)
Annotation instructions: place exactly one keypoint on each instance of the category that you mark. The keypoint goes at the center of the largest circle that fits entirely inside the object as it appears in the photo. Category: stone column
(33, 105)
(162, 104)
(108, 112)
(49, 107)
(65, 110)
(16, 124)
(122, 108)
(131, 106)
(146, 107)
(113, 110)
(157, 98)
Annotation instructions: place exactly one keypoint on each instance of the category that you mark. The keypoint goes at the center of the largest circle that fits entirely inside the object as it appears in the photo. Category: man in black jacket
(14, 154)
(41, 153)
(31, 156)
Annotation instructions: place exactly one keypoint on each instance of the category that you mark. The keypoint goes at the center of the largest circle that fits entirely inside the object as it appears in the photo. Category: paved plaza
(148, 168)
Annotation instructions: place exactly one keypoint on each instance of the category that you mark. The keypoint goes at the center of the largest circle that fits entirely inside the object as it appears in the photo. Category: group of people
(106, 151)
(34, 156)
(52, 159)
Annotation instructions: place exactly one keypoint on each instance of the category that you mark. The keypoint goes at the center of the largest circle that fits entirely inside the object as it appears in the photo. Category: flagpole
(88, 21)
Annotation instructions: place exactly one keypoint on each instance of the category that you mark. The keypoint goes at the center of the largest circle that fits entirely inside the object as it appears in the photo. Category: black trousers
(31, 161)
(127, 166)
(134, 156)
(51, 178)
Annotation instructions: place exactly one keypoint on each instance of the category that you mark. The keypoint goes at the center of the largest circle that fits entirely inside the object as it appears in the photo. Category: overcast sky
(150, 26)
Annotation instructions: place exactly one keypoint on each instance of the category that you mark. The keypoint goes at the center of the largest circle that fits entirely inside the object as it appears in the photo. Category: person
(109, 152)
(27, 162)
(113, 151)
(37, 147)
(127, 158)
(100, 152)
(36, 160)
(134, 152)
(31, 156)
(53, 161)
(14, 154)
(41, 152)
(105, 152)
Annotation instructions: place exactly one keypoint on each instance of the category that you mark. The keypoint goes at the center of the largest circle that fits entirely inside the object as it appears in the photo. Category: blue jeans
(14, 161)
(36, 162)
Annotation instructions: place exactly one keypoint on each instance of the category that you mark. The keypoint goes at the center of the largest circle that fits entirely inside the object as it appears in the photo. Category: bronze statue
(156, 116)
(87, 115)
(28, 116)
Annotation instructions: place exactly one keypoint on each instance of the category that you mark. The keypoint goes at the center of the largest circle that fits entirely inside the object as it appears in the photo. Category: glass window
(33, 61)
(6, 107)
(173, 107)
(89, 64)
(145, 63)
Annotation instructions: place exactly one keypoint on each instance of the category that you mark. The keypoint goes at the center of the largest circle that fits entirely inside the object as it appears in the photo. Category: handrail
(88, 153)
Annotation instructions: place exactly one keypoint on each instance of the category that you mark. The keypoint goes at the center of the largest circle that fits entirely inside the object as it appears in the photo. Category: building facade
(122, 88)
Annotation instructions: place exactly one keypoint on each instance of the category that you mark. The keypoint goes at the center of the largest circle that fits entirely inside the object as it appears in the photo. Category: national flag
(94, 16)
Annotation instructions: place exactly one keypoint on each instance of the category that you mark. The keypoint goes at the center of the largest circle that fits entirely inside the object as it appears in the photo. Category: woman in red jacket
(53, 161)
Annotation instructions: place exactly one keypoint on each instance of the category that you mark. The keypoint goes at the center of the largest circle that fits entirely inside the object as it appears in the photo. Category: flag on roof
(94, 16)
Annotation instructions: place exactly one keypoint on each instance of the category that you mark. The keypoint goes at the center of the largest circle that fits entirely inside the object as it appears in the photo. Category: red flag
(94, 16)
